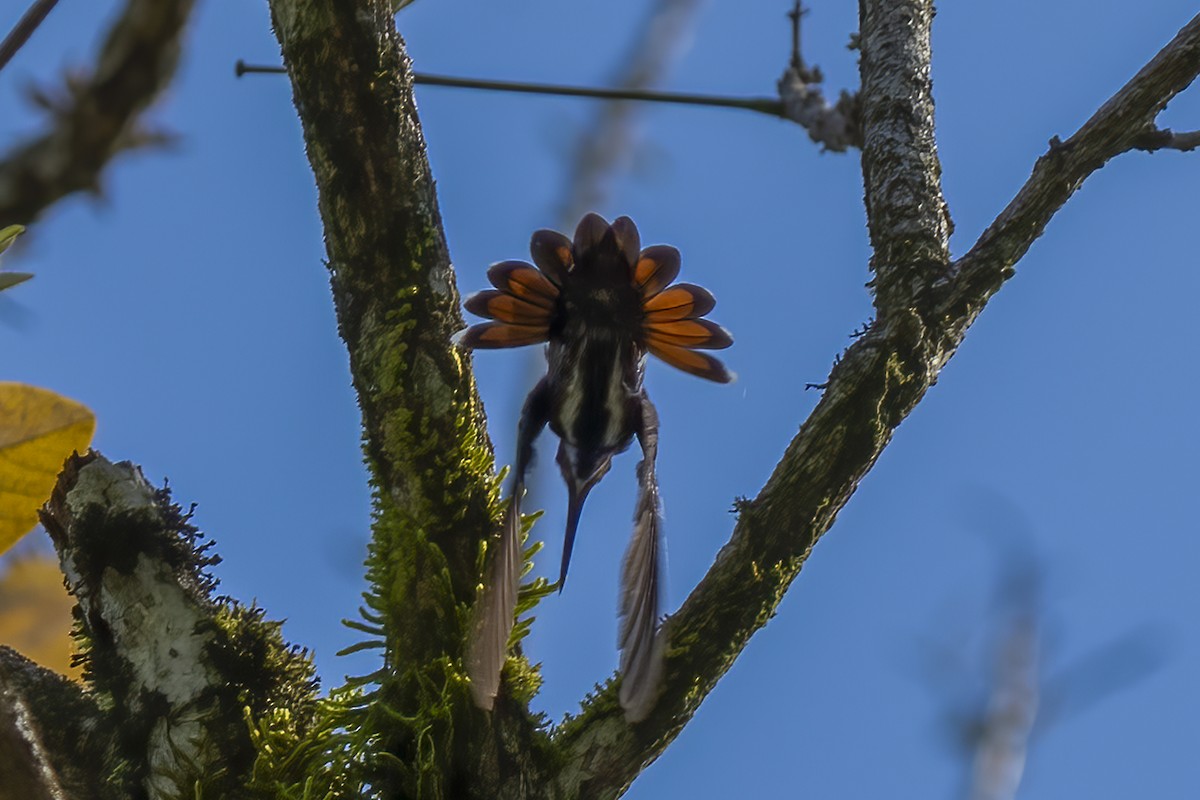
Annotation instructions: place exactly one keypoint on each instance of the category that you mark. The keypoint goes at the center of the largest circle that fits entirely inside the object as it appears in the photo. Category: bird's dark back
(596, 361)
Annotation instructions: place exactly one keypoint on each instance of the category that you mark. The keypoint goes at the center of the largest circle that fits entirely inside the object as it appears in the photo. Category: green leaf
(9, 234)
(11, 279)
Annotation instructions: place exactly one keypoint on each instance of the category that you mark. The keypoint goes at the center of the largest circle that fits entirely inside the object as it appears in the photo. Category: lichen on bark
(174, 669)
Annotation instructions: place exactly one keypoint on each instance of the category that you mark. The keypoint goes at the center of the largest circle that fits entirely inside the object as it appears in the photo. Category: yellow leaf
(35, 612)
(38, 430)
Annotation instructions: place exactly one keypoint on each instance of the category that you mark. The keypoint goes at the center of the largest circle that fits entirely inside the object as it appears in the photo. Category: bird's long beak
(576, 494)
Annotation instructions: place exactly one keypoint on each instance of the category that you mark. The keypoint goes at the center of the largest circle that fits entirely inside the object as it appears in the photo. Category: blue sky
(190, 309)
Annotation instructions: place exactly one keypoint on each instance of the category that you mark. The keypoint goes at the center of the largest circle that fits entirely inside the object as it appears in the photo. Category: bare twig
(1020, 700)
(834, 127)
(26, 25)
(1002, 737)
(795, 15)
(763, 105)
(1166, 139)
(99, 116)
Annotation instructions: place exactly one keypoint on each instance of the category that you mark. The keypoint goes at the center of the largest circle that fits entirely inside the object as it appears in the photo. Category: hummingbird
(600, 303)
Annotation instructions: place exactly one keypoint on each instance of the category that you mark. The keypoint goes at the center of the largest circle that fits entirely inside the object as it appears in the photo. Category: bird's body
(600, 303)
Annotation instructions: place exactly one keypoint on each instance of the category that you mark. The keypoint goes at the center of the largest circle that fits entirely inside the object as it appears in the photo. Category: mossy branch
(174, 669)
(50, 745)
(426, 444)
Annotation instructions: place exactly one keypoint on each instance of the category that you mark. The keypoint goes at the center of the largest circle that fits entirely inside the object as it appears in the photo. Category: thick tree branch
(175, 668)
(51, 740)
(390, 268)
(425, 438)
(878, 381)
(906, 214)
(98, 119)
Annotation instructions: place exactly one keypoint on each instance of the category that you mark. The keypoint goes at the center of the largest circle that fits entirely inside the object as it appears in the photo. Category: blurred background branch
(1001, 690)
(607, 143)
(98, 114)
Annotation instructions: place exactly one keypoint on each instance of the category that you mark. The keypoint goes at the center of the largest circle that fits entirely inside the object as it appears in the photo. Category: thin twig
(1166, 139)
(795, 15)
(24, 28)
(763, 105)
(836, 127)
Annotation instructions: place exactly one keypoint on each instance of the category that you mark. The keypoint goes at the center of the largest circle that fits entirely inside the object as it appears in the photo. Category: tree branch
(763, 105)
(1124, 122)
(835, 127)
(907, 216)
(879, 380)
(424, 431)
(52, 739)
(608, 141)
(26, 25)
(175, 668)
(1167, 139)
(99, 117)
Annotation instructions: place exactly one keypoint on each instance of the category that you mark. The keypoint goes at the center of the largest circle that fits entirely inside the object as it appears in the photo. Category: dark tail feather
(574, 510)
(492, 619)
